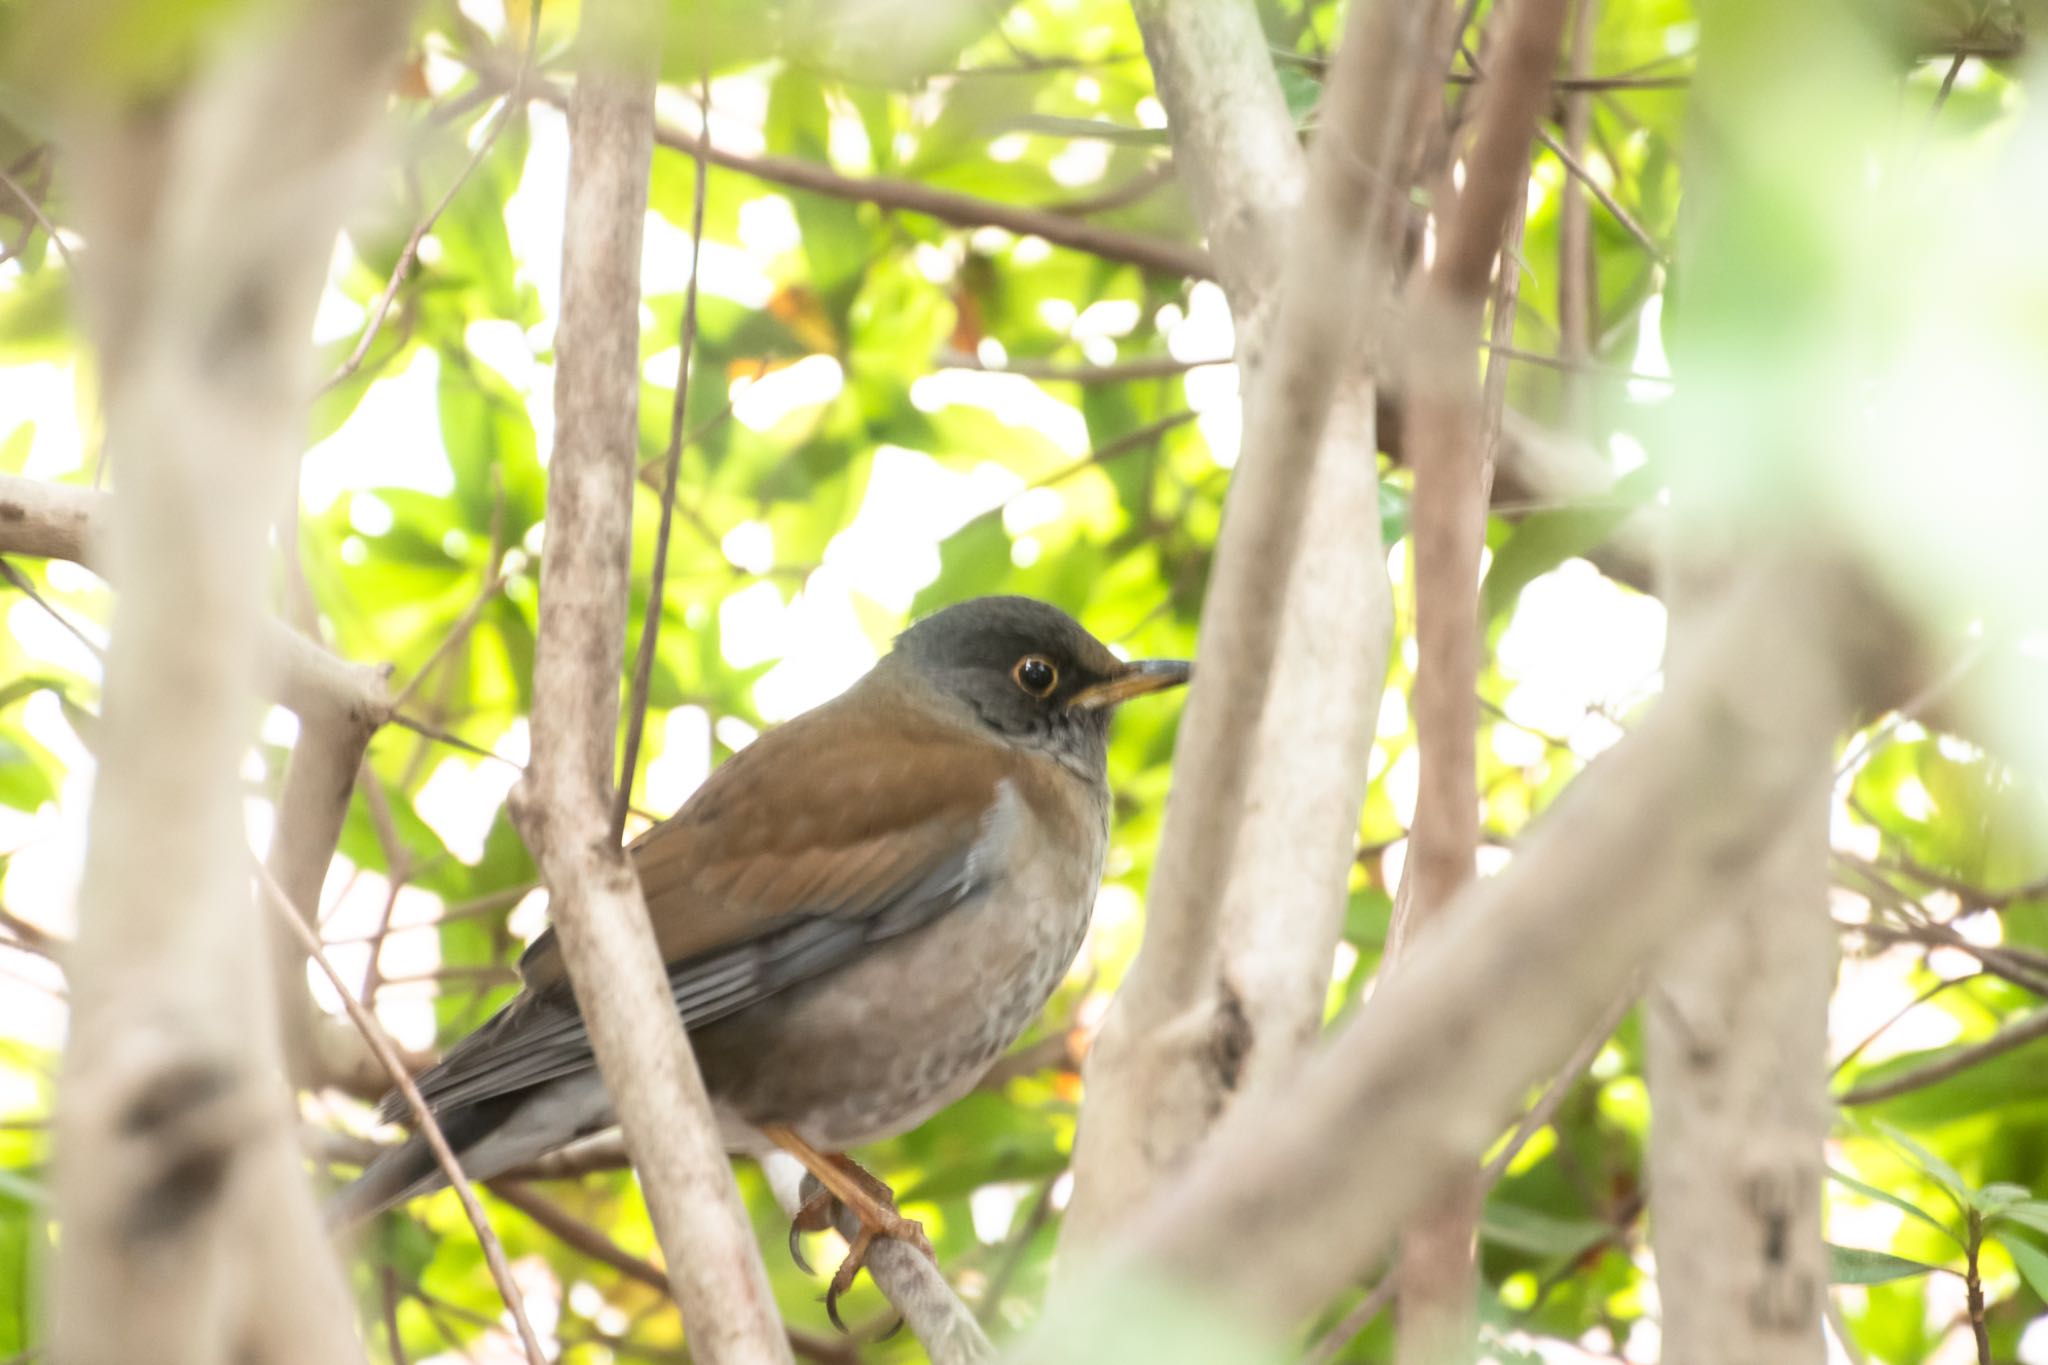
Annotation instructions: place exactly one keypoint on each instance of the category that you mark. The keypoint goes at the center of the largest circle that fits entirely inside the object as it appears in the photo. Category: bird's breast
(876, 1047)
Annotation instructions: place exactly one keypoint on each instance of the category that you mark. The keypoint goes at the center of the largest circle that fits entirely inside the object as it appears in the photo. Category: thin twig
(411, 251)
(2030, 1029)
(1915, 1003)
(1973, 1288)
(33, 938)
(453, 741)
(35, 210)
(1948, 83)
(1357, 1320)
(1577, 268)
(1139, 187)
(21, 583)
(1052, 372)
(373, 969)
(1582, 367)
(1593, 84)
(1013, 1256)
(456, 635)
(429, 1128)
(650, 623)
(958, 210)
(578, 1235)
(583, 1237)
(389, 1281)
(1607, 201)
(1910, 709)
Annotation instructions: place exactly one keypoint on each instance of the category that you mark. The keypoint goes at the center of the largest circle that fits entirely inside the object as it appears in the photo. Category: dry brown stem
(1449, 450)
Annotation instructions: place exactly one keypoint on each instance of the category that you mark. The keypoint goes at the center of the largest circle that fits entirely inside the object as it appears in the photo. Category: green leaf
(2030, 1213)
(837, 245)
(25, 782)
(1053, 125)
(1994, 1198)
(35, 318)
(28, 686)
(17, 1188)
(1855, 1265)
(1545, 539)
(1524, 1229)
(1887, 1197)
(1394, 500)
(14, 450)
(1302, 92)
(2031, 1262)
(1933, 1166)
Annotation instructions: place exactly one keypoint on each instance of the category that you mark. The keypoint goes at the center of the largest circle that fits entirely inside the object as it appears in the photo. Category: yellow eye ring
(1036, 674)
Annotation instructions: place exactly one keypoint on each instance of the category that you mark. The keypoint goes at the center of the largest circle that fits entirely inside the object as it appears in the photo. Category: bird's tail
(410, 1169)
(488, 1136)
(396, 1175)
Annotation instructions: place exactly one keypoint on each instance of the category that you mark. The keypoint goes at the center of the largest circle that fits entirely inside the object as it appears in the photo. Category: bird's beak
(1146, 675)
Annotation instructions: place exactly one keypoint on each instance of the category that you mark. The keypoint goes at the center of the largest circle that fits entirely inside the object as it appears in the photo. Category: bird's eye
(1036, 675)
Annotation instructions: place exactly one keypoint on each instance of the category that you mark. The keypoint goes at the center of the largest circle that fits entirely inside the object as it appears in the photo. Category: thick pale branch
(310, 812)
(340, 706)
(1234, 141)
(563, 802)
(189, 1233)
(1277, 1213)
(1335, 270)
(49, 520)
(62, 521)
(1246, 902)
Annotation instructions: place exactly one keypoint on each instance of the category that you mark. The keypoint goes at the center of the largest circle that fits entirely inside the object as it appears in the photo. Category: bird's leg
(868, 1198)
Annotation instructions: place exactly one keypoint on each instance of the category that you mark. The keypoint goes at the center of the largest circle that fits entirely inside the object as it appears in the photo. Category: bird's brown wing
(760, 882)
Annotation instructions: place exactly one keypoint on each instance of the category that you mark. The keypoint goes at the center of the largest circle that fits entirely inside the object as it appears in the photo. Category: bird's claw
(895, 1228)
(818, 1213)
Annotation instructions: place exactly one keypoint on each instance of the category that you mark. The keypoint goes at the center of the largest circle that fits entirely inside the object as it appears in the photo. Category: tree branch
(311, 809)
(672, 464)
(581, 1237)
(910, 1280)
(63, 521)
(2030, 1029)
(1524, 966)
(1450, 452)
(960, 210)
(562, 803)
(189, 1233)
(1247, 895)
(297, 923)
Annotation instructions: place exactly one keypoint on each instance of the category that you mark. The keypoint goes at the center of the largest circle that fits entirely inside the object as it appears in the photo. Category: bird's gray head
(1030, 673)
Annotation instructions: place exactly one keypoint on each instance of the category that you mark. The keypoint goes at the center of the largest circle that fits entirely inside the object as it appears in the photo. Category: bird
(859, 912)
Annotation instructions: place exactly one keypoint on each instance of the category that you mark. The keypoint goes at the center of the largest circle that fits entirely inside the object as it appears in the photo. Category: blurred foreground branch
(63, 521)
(188, 1232)
(1431, 1068)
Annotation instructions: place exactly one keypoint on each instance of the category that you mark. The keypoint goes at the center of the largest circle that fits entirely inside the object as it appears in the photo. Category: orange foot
(840, 1180)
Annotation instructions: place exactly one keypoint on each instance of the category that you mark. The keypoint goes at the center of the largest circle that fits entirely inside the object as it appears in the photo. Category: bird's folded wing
(754, 889)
